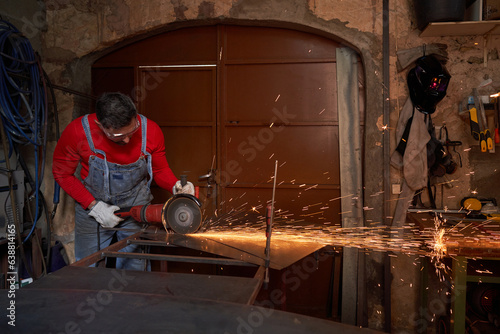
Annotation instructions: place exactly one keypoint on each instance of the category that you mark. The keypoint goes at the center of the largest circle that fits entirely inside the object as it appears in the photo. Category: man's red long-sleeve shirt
(73, 149)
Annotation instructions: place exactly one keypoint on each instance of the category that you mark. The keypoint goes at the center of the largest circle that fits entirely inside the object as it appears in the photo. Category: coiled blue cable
(23, 101)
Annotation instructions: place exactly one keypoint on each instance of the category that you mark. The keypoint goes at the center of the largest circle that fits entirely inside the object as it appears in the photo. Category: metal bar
(143, 242)
(386, 112)
(386, 158)
(458, 305)
(260, 274)
(147, 67)
(351, 185)
(436, 211)
(74, 92)
(270, 227)
(93, 258)
(454, 251)
(465, 219)
(177, 258)
(337, 258)
(122, 229)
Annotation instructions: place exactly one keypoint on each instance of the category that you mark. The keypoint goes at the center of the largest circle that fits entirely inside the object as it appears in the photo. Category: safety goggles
(119, 136)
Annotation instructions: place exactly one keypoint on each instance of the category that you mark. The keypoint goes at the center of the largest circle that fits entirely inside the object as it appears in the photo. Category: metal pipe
(436, 211)
(270, 227)
(386, 145)
(178, 258)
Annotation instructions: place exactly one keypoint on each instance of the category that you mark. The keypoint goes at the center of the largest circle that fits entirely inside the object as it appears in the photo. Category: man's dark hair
(115, 110)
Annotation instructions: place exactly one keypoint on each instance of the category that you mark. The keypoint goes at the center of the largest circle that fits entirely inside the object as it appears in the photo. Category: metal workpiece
(248, 249)
(177, 258)
(209, 287)
(251, 249)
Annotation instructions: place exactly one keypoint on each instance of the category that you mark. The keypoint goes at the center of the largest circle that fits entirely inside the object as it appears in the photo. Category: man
(120, 152)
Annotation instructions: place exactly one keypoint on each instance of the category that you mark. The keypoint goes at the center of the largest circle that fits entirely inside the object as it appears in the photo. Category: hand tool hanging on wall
(485, 139)
(181, 213)
(487, 133)
(497, 125)
(450, 164)
(474, 123)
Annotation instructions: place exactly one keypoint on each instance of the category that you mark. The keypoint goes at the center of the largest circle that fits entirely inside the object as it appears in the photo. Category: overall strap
(86, 128)
(144, 131)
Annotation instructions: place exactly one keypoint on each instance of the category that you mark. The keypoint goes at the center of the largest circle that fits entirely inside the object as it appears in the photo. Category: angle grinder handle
(149, 213)
(183, 180)
(196, 188)
(124, 212)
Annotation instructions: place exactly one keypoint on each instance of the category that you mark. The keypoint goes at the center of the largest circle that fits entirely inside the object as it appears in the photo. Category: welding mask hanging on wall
(427, 83)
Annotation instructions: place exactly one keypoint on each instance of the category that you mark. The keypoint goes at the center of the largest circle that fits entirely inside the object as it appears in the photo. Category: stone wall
(79, 32)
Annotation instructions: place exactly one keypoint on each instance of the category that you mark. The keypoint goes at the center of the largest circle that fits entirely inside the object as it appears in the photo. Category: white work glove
(105, 214)
(187, 189)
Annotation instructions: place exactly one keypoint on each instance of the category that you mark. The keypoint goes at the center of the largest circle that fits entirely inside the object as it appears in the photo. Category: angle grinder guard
(182, 214)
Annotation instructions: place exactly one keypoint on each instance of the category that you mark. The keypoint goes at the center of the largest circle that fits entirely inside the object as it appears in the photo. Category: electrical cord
(23, 108)
(57, 188)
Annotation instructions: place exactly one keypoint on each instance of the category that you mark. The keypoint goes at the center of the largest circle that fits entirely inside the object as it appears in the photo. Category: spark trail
(432, 241)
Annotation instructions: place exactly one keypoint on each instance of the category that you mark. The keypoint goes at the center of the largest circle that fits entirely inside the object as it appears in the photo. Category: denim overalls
(121, 185)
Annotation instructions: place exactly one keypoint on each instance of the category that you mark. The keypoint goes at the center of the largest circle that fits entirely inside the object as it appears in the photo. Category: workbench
(471, 244)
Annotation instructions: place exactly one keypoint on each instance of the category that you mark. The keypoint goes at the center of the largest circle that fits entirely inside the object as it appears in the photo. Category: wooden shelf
(462, 28)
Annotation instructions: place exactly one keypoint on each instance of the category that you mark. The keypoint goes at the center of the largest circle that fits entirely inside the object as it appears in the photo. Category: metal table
(83, 299)
(106, 311)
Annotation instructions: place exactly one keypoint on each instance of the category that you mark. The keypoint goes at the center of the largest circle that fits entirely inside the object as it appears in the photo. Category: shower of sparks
(318, 223)
(248, 222)
(439, 247)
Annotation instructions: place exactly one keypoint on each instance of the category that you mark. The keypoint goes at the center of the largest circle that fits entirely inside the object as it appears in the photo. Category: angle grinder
(181, 213)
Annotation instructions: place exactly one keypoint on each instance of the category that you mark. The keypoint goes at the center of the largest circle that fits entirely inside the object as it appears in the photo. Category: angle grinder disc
(182, 214)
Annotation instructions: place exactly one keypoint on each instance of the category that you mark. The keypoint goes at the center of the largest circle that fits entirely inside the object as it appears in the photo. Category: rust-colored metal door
(279, 104)
(234, 100)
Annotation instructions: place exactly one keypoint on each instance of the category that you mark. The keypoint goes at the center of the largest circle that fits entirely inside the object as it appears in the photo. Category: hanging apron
(120, 185)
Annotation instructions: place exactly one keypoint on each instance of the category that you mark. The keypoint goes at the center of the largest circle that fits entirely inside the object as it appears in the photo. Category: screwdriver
(485, 140)
(497, 135)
